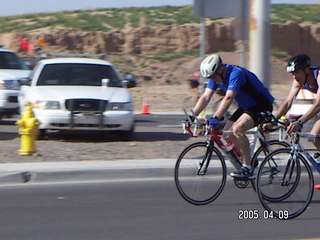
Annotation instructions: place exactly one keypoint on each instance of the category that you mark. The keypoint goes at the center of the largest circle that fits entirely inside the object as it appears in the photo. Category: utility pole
(259, 38)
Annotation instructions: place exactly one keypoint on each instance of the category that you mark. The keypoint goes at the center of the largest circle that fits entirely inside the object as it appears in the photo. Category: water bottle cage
(228, 148)
(234, 159)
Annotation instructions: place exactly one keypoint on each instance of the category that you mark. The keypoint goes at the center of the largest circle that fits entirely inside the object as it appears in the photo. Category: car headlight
(9, 84)
(121, 106)
(47, 105)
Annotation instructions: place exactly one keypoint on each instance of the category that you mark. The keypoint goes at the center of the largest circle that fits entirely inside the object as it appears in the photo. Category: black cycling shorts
(253, 112)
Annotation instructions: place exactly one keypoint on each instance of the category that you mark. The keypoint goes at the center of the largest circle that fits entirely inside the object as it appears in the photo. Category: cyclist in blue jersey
(243, 87)
(306, 77)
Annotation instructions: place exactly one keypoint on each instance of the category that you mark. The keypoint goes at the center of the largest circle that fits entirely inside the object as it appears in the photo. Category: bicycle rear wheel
(200, 173)
(285, 184)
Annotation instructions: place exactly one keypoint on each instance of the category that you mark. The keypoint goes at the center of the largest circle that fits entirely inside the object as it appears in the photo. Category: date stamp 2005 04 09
(253, 214)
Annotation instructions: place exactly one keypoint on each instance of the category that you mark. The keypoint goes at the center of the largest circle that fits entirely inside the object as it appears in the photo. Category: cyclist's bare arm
(315, 107)
(203, 101)
(225, 104)
(285, 106)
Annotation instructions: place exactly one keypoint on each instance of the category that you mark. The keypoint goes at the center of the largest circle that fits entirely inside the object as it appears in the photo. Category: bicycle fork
(202, 170)
(289, 170)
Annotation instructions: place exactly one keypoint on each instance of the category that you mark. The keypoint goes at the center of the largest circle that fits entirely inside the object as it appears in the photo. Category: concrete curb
(116, 170)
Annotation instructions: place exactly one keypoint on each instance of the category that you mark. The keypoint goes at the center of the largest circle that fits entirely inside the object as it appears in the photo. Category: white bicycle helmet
(210, 65)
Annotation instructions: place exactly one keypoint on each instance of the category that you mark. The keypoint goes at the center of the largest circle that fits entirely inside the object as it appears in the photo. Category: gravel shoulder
(148, 143)
(159, 142)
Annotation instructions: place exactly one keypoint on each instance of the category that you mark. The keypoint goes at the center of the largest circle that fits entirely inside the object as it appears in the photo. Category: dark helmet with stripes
(300, 61)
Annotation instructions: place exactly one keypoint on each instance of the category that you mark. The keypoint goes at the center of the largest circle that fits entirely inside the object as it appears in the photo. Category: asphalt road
(139, 210)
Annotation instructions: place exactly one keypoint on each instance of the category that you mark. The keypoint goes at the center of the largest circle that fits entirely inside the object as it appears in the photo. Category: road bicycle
(201, 171)
(285, 182)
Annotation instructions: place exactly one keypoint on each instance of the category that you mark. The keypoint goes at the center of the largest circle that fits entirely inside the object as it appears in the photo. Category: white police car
(12, 68)
(78, 94)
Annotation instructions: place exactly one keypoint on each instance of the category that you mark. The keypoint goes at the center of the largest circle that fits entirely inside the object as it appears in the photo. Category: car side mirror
(25, 81)
(129, 81)
(105, 82)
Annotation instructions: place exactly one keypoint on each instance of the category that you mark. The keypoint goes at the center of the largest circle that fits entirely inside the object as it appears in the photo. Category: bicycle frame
(258, 136)
(199, 127)
(204, 162)
(218, 137)
(297, 147)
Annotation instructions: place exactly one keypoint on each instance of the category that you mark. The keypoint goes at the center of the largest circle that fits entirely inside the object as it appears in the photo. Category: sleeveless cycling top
(250, 90)
(315, 75)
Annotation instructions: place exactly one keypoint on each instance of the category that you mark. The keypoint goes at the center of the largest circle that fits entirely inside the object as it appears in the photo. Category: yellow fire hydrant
(28, 129)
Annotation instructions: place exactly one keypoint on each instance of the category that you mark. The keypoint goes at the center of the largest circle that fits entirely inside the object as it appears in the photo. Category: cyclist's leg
(316, 142)
(239, 138)
(316, 130)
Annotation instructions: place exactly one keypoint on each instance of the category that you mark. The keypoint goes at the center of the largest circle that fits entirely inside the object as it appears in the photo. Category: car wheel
(42, 134)
(127, 135)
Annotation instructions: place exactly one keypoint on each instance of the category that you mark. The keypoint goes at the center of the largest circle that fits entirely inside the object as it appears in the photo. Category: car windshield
(9, 60)
(78, 74)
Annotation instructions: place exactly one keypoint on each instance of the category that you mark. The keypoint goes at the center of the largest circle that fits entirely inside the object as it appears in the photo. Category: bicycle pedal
(252, 177)
(244, 178)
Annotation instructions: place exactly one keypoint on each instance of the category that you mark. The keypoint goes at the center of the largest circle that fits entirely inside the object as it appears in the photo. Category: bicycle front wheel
(200, 173)
(261, 153)
(285, 184)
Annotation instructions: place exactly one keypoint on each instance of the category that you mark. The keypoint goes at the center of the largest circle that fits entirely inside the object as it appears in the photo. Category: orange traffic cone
(145, 105)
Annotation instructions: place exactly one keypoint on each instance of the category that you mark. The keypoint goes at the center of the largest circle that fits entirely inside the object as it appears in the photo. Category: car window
(9, 60)
(76, 74)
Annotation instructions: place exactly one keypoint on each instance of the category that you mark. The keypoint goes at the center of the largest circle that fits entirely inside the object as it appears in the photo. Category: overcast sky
(14, 7)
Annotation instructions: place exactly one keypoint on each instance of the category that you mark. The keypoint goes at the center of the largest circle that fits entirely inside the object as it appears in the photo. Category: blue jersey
(250, 90)
(315, 75)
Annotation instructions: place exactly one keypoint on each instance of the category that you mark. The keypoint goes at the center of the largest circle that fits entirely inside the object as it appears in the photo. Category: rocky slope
(133, 49)
(147, 40)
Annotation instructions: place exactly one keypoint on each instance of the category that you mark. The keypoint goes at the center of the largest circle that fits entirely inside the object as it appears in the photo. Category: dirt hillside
(163, 82)
(169, 90)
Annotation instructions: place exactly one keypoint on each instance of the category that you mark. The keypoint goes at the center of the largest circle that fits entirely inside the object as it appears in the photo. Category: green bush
(166, 56)
(279, 53)
(297, 13)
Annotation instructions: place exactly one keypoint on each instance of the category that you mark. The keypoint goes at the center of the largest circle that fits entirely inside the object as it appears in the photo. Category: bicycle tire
(261, 153)
(285, 184)
(200, 188)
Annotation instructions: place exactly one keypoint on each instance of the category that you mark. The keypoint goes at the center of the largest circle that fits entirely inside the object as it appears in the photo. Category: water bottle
(233, 154)
(282, 134)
